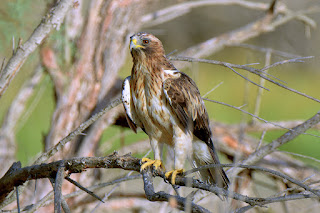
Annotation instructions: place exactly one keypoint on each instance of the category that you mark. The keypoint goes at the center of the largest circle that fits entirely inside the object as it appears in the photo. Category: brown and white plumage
(167, 105)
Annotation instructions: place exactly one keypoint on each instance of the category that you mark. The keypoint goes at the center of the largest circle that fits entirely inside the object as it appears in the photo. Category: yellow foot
(174, 174)
(157, 164)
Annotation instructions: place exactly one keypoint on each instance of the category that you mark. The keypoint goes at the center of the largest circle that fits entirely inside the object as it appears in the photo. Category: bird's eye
(145, 41)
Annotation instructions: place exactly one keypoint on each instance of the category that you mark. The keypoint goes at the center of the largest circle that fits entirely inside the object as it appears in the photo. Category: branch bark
(17, 176)
(52, 20)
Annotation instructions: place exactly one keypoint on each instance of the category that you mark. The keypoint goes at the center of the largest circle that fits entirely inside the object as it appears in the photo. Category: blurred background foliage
(19, 18)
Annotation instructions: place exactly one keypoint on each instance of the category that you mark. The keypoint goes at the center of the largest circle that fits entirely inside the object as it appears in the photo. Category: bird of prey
(166, 104)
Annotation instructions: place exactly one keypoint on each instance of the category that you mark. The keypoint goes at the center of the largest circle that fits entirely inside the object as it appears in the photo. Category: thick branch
(181, 202)
(18, 176)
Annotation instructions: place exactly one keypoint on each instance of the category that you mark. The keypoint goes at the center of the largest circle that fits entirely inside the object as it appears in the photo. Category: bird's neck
(150, 64)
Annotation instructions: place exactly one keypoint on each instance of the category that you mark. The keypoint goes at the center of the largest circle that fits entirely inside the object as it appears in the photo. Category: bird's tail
(203, 155)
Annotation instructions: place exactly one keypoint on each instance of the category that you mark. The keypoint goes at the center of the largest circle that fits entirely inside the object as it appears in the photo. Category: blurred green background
(19, 18)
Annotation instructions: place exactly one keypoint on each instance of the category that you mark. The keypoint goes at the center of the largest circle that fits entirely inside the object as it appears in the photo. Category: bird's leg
(156, 163)
(182, 149)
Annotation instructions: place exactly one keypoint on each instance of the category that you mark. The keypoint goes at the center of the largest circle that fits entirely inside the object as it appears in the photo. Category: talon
(174, 174)
(157, 164)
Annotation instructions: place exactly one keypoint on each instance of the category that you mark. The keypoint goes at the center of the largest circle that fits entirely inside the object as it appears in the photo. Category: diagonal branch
(45, 156)
(283, 139)
(252, 70)
(83, 188)
(52, 20)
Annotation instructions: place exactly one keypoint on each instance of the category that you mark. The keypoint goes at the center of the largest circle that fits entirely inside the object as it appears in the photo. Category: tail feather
(203, 155)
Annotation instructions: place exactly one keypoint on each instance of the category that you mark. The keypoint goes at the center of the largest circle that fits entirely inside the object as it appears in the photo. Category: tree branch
(17, 176)
(53, 19)
(162, 196)
(285, 138)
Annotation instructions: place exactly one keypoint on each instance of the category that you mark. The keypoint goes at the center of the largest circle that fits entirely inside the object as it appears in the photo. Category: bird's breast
(152, 108)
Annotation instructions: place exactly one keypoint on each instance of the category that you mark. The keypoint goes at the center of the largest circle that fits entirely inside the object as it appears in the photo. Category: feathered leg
(156, 163)
(183, 150)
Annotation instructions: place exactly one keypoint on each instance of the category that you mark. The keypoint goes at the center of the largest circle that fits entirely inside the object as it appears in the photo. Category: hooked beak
(135, 43)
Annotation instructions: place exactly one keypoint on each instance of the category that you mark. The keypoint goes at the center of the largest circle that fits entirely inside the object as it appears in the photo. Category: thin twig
(18, 201)
(283, 139)
(260, 91)
(76, 132)
(107, 195)
(300, 155)
(102, 185)
(250, 69)
(270, 171)
(266, 49)
(45, 156)
(293, 60)
(239, 108)
(83, 188)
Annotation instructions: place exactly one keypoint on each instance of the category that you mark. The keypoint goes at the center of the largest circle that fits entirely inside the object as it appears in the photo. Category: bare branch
(76, 165)
(265, 50)
(239, 108)
(17, 195)
(57, 188)
(83, 188)
(162, 196)
(128, 162)
(102, 185)
(172, 12)
(52, 20)
(266, 170)
(266, 24)
(45, 156)
(283, 139)
(255, 71)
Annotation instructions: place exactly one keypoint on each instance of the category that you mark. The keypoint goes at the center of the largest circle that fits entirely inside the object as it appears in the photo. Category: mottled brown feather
(163, 95)
(188, 105)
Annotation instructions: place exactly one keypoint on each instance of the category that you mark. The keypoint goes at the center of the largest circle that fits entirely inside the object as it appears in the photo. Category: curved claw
(174, 174)
(157, 164)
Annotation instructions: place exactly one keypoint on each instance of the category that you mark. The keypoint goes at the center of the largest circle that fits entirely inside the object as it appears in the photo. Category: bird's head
(145, 44)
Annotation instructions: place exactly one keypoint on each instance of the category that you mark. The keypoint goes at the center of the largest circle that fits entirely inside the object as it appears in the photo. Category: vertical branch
(17, 195)
(260, 90)
(57, 189)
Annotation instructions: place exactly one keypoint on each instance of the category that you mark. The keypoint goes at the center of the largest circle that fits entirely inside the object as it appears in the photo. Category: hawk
(166, 104)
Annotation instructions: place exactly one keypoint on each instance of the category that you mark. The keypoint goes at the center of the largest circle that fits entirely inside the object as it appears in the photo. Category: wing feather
(126, 101)
(185, 100)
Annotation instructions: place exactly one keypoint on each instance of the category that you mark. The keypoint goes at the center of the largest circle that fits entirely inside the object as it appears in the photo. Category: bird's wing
(126, 100)
(185, 100)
